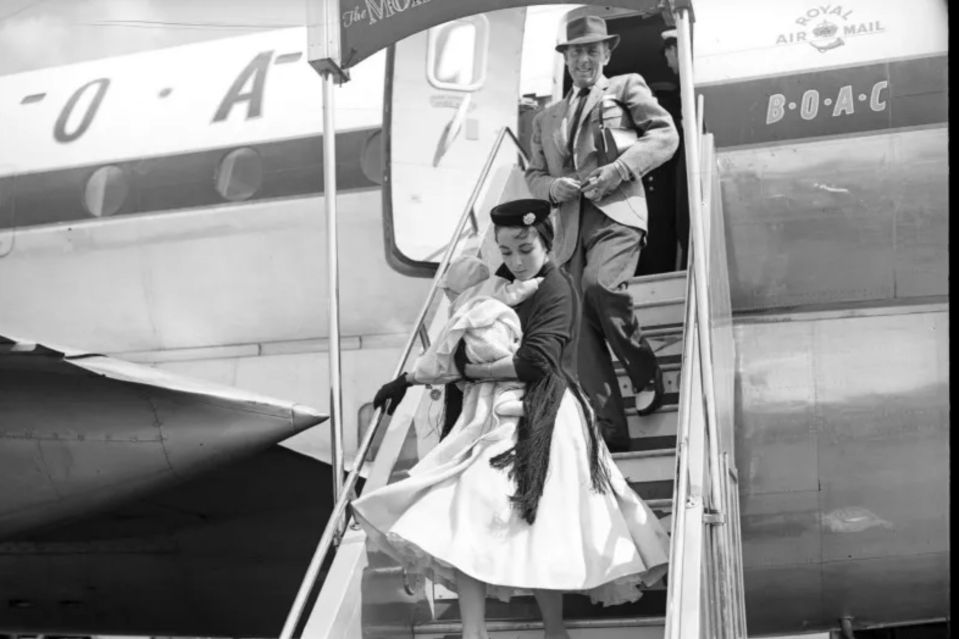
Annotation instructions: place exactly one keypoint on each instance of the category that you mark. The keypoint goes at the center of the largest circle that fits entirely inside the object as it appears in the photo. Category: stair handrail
(694, 173)
(338, 517)
(724, 536)
(698, 326)
(723, 573)
(681, 488)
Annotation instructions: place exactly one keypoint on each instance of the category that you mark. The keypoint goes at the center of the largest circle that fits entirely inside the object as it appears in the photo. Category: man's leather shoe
(650, 398)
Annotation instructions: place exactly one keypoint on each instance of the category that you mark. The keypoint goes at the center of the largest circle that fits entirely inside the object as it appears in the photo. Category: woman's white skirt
(454, 512)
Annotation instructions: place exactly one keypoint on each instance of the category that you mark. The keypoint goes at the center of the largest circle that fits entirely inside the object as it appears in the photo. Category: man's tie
(581, 95)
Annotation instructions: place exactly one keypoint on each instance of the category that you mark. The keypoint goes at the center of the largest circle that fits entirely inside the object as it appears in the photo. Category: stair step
(575, 606)
(663, 332)
(659, 300)
(613, 628)
(679, 301)
(658, 286)
(654, 489)
(640, 467)
(671, 377)
(662, 423)
(667, 362)
(659, 314)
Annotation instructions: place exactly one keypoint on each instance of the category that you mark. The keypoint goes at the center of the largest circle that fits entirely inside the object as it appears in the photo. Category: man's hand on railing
(393, 391)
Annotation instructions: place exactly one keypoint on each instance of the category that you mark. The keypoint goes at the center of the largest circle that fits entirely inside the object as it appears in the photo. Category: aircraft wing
(80, 432)
(218, 555)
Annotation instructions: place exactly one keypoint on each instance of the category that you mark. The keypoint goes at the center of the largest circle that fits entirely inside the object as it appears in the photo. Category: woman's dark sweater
(549, 318)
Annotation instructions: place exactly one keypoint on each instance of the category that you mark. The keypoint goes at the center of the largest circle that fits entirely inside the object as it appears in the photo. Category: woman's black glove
(393, 391)
(460, 360)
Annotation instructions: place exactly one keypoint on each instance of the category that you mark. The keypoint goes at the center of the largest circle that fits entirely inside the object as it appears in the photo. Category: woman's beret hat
(524, 212)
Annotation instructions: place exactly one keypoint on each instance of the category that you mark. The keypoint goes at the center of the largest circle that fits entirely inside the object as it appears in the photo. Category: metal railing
(686, 498)
(339, 518)
(705, 594)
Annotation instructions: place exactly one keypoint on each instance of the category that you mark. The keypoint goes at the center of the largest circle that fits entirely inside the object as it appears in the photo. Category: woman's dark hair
(543, 228)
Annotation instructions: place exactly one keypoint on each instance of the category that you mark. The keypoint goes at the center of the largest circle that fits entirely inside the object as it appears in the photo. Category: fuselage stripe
(869, 98)
(203, 178)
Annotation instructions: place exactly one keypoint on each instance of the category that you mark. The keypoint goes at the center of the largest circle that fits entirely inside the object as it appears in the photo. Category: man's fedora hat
(587, 30)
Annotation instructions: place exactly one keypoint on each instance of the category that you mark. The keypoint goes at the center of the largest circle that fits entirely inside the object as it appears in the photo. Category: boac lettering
(60, 133)
(810, 104)
(775, 111)
(874, 102)
(843, 104)
(254, 96)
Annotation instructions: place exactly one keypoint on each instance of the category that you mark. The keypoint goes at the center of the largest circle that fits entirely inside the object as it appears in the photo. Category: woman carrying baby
(522, 495)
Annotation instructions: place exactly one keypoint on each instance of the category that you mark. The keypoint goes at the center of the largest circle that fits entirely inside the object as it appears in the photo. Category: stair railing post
(743, 628)
(694, 170)
(677, 557)
(333, 264)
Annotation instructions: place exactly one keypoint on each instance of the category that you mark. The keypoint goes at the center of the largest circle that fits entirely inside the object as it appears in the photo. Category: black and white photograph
(474, 319)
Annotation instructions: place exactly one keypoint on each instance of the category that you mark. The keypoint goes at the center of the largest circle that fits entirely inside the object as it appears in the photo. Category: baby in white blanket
(467, 277)
(480, 315)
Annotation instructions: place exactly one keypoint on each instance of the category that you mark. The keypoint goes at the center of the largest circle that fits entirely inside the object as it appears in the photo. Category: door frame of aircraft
(364, 29)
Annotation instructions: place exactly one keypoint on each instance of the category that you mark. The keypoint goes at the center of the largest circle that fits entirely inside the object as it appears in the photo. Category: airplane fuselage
(174, 217)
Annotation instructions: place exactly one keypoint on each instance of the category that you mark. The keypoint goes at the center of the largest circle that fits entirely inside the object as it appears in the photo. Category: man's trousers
(605, 258)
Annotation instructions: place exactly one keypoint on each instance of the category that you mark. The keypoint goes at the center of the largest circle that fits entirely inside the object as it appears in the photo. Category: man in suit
(601, 220)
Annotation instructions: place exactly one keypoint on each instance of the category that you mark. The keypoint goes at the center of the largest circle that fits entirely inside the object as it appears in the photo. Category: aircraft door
(453, 88)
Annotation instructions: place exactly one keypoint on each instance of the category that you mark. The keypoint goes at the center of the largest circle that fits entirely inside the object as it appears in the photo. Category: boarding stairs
(680, 462)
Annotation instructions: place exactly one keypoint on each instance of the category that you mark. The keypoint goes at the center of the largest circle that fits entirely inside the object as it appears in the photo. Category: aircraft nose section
(82, 431)
(201, 431)
(304, 417)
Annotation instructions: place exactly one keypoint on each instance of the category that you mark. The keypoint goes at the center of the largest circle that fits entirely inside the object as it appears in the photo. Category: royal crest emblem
(827, 27)
(825, 37)
(529, 218)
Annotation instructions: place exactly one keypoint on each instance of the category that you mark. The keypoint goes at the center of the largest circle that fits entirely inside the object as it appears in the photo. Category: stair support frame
(721, 588)
(681, 503)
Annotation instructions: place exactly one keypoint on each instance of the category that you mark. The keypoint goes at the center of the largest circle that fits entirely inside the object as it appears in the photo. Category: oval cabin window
(106, 191)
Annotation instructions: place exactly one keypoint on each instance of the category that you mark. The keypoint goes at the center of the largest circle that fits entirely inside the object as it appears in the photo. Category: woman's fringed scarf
(529, 457)
(598, 470)
(452, 407)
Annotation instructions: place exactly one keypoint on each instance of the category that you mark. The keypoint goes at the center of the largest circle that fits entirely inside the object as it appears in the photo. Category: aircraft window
(106, 191)
(456, 54)
(240, 174)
